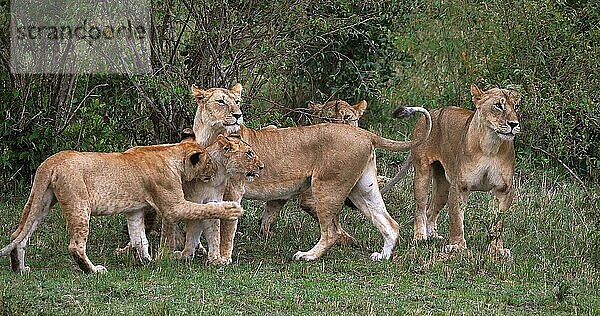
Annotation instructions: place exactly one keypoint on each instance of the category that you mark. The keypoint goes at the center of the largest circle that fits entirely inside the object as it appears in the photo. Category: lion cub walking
(87, 183)
(466, 151)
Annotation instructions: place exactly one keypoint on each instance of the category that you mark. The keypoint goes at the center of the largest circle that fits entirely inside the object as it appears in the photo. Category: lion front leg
(500, 204)
(228, 230)
(212, 231)
(456, 200)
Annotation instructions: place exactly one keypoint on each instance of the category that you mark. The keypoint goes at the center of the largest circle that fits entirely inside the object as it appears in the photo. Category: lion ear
(224, 143)
(315, 107)
(197, 92)
(237, 89)
(195, 157)
(189, 166)
(187, 134)
(360, 107)
(515, 97)
(476, 93)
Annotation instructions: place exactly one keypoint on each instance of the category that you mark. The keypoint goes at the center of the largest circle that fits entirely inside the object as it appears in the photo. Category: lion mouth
(252, 175)
(508, 135)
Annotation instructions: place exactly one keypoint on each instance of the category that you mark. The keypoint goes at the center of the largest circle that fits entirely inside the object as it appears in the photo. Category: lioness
(335, 111)
(236, 163)
(338, 111)
(334, 160)
(466, 151)
(88, 183)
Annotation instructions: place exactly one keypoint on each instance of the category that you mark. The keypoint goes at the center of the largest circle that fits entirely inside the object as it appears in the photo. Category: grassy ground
(553, 233)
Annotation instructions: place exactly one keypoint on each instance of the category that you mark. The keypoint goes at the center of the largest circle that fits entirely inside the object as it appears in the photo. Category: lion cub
(88, 183)
(236, 163)
(466, 151)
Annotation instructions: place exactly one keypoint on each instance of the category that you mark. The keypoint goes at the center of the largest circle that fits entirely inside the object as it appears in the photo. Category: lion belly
(484, 176)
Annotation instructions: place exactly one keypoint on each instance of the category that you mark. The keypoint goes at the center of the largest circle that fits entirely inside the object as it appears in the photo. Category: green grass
(553, 234)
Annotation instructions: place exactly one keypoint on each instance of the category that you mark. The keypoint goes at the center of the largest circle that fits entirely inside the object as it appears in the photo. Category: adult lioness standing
(466, 151)
(336, 160)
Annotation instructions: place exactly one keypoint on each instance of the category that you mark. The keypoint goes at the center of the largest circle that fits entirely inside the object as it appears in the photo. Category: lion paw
(201, 251)
(376, 256)
(124, 250)
(99, 269)
(435, 236)
(219, 261)
(232, 210)
(25, 269)
(500, 252)
(454, 248)
(306, 256)
(418, 236)
(182, 255)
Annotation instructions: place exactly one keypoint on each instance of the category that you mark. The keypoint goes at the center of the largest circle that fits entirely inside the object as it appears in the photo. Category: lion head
(497, 108)
(218, 108)
(240, 159)
(338, 111)
(197, 163)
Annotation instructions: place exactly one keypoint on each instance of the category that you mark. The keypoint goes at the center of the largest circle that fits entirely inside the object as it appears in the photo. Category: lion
(334, 160)
(335, 111)
(90, 183)
(338, 111)
(466, 151)
(236, 164)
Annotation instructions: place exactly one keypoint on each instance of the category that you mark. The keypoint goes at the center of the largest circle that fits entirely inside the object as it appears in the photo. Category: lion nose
(237, 115)
(513, 124)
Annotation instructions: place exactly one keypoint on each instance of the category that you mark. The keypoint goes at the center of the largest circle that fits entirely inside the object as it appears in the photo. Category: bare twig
(569, 170)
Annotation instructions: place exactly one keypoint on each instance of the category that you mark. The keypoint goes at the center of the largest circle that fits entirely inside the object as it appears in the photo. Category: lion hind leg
(193, 231)
(422, 181)
(77, 212)
(269, 215)
(328, 237)
(439, 198)
(366, 196)
(327, 208)
(17, 255)
(137, 234)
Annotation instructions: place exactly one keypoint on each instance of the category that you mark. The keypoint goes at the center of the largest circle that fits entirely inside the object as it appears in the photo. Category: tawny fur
(335, 111)
(466, 151)
(88, 184)
(335, 160)
(236, 163)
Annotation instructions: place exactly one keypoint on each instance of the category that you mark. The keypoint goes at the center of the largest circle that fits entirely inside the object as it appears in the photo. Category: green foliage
(287, 53)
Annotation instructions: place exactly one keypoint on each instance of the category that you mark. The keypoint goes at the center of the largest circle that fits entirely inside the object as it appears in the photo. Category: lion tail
(384, 143)
(33, 210)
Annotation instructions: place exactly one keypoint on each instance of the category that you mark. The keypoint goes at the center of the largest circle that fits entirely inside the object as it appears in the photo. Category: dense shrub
(289, 52)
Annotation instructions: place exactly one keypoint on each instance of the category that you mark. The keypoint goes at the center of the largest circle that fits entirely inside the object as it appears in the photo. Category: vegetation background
(287, 53)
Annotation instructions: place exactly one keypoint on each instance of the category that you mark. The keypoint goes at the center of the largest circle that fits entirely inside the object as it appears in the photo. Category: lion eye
(250, 154)
(221, 102)
(499, 106)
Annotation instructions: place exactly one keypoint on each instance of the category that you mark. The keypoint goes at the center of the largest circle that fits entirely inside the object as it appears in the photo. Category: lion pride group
(202, 180)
